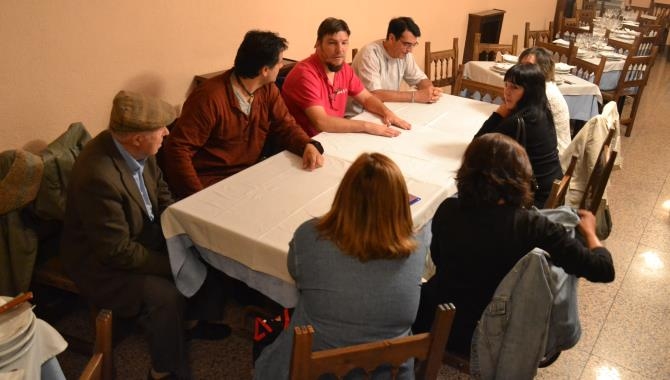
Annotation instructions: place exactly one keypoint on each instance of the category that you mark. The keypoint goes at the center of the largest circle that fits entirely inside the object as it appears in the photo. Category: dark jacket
(107, 232)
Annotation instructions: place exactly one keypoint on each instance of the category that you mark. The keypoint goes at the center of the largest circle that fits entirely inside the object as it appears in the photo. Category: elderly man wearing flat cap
(112, 244)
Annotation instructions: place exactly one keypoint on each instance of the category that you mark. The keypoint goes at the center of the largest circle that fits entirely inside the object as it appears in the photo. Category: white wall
(64, 60)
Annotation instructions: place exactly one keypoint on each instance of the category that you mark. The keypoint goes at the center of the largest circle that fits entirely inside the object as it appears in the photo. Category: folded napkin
(563, 67)
(562, 42)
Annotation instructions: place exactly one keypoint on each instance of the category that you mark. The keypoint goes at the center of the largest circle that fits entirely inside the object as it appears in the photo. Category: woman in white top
(557, 103)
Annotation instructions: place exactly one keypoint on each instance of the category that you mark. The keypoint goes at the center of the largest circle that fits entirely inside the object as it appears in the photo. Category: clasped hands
(429, 94)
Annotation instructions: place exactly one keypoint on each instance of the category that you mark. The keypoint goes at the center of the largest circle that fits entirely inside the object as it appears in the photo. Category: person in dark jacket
(481, 234)
(525, 116)
(112, 244)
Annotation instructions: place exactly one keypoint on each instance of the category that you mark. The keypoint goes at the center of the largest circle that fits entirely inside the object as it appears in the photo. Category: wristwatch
(317, 145)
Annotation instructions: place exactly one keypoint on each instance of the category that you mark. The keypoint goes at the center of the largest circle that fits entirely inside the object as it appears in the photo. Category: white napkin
(561, 41)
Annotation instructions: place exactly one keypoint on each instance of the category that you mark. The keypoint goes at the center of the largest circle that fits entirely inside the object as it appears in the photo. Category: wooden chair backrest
(662, 13)
(530, 37)
(427, 347)
(559, 188)
(559, 53)
(623, 47)
(599, 175)
(587, 70)
(487, 93)
(487, 52)
(441, 66)
(635, 72)
(585, 16)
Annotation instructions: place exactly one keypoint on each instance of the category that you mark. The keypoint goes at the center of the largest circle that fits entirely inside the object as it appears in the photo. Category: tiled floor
(626, 324)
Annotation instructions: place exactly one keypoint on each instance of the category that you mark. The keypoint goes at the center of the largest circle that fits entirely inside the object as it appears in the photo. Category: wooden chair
(559, 53)
(469, 88)
(632, 81)
(640, 10)
(587, 70)
(442, 66)
(353, 54)
(559, 188)
(623, 47)
(600, 175)
(590, 5)
(661, 11)
(487, 52)
(569, 28)
(93, 369)
(427, 347)
(585, 17)
(52, 274)
(101, 364)
(530, 37)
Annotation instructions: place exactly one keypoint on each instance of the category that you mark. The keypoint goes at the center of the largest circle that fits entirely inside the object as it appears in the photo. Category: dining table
(243, 224)
(581, 95)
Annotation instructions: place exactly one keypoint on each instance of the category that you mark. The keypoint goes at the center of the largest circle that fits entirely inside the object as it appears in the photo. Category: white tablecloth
(581, 95)
(243, 224)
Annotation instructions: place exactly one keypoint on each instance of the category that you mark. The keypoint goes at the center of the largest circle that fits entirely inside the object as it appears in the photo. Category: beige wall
(64, 60)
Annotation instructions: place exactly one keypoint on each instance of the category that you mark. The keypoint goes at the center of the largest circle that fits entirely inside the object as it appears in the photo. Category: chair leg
(103, 342)
(633, 112)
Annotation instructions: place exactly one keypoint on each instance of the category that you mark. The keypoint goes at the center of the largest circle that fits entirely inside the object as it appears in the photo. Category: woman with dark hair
(559, 107)
(525, 117)
(480, 235)
(358, 268)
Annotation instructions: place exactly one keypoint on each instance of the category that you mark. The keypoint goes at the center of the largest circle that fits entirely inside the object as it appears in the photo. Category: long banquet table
(243, 224)
(581, 95)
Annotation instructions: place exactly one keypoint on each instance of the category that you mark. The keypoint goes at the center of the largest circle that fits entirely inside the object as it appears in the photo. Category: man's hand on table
(311, 158)
(429, 94)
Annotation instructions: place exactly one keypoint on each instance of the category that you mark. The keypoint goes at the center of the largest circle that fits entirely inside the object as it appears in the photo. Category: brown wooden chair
(624, 47)
(530, 37)
(101, 364)
(427, 347)
(477, 90)
(559, 53)
(588, 70)
(570, 27)
(442, 66)
(93, 369)
(585, 17)
(559, 188)
(52, 274)
(600, 175)
(649, 37)
(488, 52)
(632, 81)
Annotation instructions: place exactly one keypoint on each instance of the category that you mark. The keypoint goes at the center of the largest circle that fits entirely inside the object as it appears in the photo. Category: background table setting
(28, 345)
(243, 224)
(581, 95)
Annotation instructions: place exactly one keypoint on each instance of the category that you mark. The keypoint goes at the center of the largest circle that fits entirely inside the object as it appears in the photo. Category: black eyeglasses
(409, 45)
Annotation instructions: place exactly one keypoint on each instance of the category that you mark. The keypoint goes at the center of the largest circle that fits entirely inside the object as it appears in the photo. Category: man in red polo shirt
(316, 89)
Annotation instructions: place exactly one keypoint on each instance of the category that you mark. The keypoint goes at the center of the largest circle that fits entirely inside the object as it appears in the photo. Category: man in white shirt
(383, 64)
